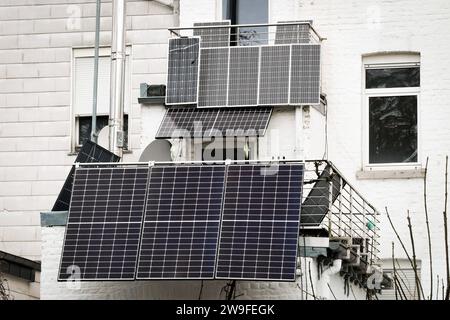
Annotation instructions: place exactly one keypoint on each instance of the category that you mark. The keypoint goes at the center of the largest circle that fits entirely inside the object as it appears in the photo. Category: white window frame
(387, 92)
(89, 52)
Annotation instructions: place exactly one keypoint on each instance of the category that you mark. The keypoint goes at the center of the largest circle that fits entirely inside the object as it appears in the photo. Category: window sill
(390, 174)
(75, 153)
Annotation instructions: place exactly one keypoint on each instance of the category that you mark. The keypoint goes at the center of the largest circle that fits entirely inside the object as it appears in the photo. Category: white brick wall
(35, 94)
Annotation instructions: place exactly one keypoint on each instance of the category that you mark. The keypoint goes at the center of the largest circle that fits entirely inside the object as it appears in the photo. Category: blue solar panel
(260, 223)
(182, 220)
(104, 224)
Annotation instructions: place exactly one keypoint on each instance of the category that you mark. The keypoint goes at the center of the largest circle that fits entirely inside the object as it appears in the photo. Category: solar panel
(182, 220)
(213, 37)
(315, 206)
(89, 153)
(183, 69)
(213, 82)
(243, 76)
(274, 75)
(241, 122)
(192, 122)
(295, 33)
(260, 223)
(186, 122)
(305, 74)
(104, 224)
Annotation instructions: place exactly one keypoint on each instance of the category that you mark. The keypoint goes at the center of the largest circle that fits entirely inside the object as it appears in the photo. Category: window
(82, 79)
(220, 149)
(404, 282)
(392, 100)
(247, 12)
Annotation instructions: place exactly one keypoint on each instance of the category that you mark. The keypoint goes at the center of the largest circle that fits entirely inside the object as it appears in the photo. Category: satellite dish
(158, 150)
(103, 137)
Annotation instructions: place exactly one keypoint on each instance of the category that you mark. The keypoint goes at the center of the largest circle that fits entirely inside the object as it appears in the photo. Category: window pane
(392, 78)
(393, 129)
(248, 12)
(85, 125)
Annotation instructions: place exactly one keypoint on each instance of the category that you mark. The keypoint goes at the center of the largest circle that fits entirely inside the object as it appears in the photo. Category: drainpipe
(94, 133)
(118, 56)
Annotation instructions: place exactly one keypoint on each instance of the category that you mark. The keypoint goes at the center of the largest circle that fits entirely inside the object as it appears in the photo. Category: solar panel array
(260, 224)
(185, 122)
(182, 77)
(182, 219)
(179, 215)
(213, 37)
(89, 153)
(104, 224)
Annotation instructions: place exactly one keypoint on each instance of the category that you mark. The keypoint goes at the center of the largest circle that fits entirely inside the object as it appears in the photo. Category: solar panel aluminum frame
(293, 279)
(198, 73)
(59, 279)
(320, 75)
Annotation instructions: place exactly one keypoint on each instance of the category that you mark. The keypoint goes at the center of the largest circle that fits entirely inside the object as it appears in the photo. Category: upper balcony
(217, 64)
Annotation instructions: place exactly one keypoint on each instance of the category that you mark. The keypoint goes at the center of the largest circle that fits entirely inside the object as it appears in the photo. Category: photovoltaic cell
(241, 122)
(243, 76)
(305, 74)
(213, 82)
(182, 220)
(274, 75)
(186, 122)
(89, 153)
(260, 223)
(213, 37)
(183, 66)
(104, 224)
(192, 122)
(295, 33)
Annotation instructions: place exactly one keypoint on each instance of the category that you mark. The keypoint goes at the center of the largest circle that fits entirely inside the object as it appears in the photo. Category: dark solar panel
(104, 224)
(89, 153)
(213, 37)
(305, 74)
(182, 220)
(213, 83)
(260, 223)
(243, 76)
(186, 122)
(190, 122)
(241, 122)
(274, 75)
(183, 66)
(316, 204)
(295, 33)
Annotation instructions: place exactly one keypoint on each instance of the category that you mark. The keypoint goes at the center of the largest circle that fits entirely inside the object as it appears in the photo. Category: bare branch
(428, 228)
(447, 293)
(416, 276)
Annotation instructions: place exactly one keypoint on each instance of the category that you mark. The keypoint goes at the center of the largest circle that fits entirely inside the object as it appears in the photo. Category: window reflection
(392, 78)
(247, 12)
(393, 129)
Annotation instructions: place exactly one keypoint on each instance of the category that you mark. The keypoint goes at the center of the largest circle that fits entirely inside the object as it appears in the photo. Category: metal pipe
(94, 134)
(118, 56)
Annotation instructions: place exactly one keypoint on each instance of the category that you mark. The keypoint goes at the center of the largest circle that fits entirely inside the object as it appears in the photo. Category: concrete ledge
(55, 218)
(390, 174)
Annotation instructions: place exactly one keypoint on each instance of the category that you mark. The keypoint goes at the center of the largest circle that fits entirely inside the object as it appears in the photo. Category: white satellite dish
(158, 150)
(103, 137)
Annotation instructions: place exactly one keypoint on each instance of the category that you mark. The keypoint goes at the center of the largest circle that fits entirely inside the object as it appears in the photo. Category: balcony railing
(332, 204)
